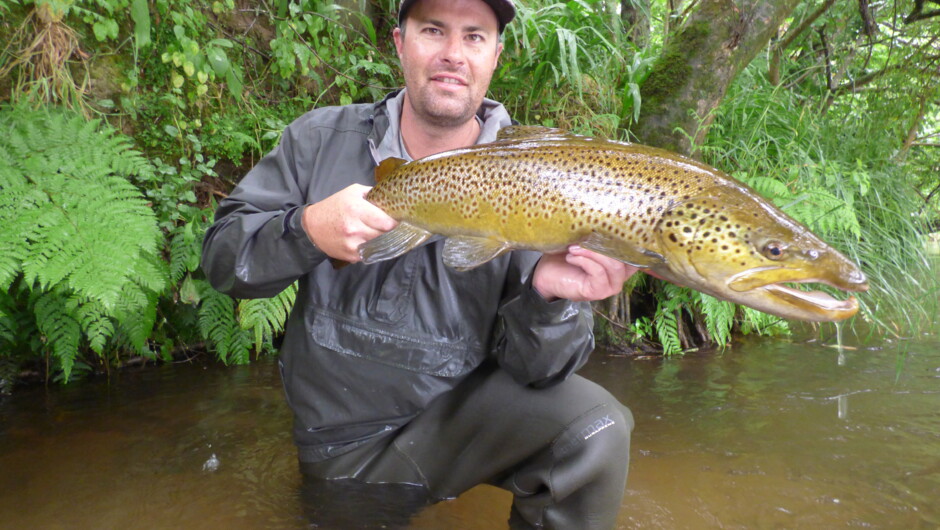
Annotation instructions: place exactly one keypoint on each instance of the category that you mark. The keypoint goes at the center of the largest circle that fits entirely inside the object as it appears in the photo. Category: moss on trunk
(698, 64)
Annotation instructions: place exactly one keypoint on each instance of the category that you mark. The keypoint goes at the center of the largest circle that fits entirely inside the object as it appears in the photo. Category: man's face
(448, 53)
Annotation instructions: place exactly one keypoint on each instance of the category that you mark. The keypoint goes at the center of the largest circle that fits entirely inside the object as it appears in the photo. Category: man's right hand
(338, 224)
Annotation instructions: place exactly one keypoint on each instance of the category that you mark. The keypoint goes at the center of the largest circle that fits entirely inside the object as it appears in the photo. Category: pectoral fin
(393, 243)
(467, 252)
(623, 251)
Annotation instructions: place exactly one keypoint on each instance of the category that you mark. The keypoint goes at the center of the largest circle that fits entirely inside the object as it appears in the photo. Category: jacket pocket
(389, 346)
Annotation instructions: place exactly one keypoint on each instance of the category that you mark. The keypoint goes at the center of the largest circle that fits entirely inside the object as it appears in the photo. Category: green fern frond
(61, 331)
(72, 217)
(150, 274)
(667, 330)
(754, 321)
(94, 321)
(18, 332)
(185, 250)
(671, 301)
(8, 323)
(825, 213)
(719, 318)
(768, 187)
(266, 317)
(79, 238)
(218, 325)
(136, 314)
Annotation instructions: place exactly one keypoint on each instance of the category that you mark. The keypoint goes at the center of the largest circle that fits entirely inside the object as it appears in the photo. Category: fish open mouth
(796, 303)
(818, 299)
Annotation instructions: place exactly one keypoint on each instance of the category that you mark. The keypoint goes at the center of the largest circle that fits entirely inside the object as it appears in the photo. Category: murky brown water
(771, 434)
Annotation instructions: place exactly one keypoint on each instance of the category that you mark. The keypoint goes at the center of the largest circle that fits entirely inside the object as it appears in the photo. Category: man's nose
(453, 51)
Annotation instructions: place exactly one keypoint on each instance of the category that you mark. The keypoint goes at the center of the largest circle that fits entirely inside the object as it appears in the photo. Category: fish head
(736, 246)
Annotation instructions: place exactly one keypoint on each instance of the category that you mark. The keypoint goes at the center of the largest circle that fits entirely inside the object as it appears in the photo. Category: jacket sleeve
(257, 246)
(540, 343)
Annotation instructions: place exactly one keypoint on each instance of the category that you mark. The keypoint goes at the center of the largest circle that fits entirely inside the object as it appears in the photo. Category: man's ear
(397, 36)
(499, 51)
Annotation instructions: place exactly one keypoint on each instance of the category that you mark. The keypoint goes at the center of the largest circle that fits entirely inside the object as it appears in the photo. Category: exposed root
(42, 64)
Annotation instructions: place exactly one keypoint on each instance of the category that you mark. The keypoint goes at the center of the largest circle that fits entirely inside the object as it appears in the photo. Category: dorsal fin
(386, 167)
(528, 132)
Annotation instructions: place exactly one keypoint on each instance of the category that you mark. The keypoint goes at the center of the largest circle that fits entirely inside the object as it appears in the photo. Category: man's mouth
(449, 80)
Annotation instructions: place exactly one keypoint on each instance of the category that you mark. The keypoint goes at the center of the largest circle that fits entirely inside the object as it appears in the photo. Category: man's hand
(580, 275)
(338, 224)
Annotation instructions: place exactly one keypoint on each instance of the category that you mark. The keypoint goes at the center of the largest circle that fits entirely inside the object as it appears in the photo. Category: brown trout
(545, 189)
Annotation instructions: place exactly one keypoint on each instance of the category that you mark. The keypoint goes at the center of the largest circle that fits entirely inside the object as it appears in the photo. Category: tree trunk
(697, 66)
(636, 21)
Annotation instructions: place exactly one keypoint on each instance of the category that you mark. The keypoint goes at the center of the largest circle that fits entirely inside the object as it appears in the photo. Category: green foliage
(80, 248)
(265, 317)
(234, 328)
(334, 47)
(719, 318)
(559, 67)
(667, 318)
(823, 170)
(196, 63)
(218, 323)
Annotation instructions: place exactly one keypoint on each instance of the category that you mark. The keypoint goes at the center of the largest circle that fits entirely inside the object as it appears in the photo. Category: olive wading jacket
(366, 348)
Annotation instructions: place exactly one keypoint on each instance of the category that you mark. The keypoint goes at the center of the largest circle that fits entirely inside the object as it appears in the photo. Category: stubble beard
(443, 111)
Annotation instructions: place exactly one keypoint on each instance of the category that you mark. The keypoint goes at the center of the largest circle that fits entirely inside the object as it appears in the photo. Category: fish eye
(774, 250)
(813, 254)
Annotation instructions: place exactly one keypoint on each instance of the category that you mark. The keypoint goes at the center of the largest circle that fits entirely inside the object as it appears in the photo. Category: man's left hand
(580, 275)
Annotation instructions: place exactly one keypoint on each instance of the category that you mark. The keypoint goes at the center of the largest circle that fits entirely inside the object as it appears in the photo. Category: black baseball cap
(504, 9)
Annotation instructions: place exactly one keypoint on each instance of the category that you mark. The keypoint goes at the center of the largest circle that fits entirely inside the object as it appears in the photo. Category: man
(406, 371)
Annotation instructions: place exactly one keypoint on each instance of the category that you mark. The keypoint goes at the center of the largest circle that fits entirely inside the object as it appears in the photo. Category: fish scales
(683, 221)
(524, 193)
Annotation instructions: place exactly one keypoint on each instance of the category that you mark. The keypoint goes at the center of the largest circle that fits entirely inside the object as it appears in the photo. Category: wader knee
(579, 480)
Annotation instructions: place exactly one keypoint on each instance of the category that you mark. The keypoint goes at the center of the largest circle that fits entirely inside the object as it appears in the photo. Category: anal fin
(393, 243)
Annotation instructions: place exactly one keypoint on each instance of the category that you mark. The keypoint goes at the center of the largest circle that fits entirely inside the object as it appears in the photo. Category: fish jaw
(831, 269)
(772, 297)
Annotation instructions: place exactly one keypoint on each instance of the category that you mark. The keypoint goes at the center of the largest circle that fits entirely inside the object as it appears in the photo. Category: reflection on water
(769, 434)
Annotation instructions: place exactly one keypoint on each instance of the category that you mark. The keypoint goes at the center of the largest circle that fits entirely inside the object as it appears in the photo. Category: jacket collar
(384, 139)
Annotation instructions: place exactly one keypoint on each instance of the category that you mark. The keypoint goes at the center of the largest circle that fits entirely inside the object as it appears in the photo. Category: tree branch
(789, 37)
(918, 14)
(867, 21)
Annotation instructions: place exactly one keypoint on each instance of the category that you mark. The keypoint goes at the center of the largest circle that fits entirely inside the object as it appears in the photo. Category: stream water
(769, 434)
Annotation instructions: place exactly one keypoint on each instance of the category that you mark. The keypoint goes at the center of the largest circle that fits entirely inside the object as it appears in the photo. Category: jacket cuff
(293, 230)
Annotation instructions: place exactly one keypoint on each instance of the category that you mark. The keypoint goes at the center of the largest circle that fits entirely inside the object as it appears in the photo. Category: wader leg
(562, 451)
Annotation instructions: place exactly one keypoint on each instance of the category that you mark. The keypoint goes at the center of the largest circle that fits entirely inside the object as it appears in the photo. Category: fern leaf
(218, 325)
(8, 323)
(62, 332)
(719, 318)
(754, 321)
(827, 214)
(136, 314)
(185, 251)
(667, 330)
(266, 316)
(94, 321)
(768, 187)
(77, 222)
